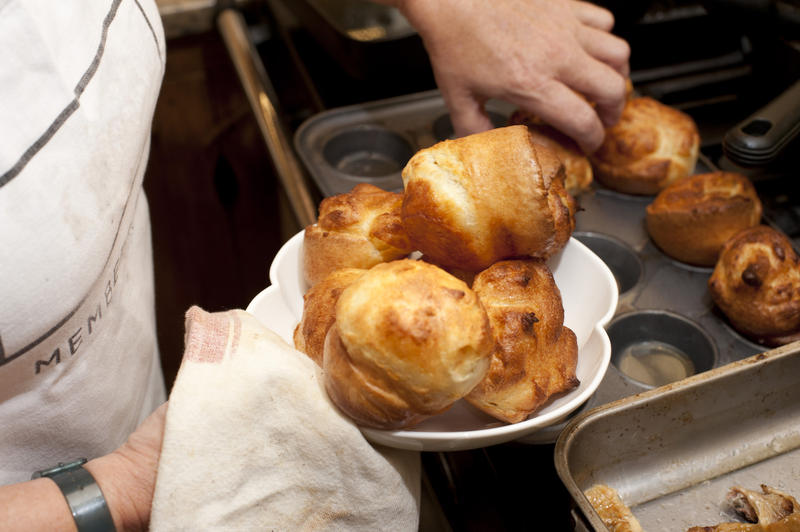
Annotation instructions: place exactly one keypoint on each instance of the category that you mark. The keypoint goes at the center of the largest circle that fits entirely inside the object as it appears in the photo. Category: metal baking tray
(672, 453)
(665, 311)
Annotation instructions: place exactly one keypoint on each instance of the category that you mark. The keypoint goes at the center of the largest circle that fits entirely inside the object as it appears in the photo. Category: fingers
(566, 111)
(607, 48)
(592, 15)
(601, 74)
(467, 113)
(542, 59)
(600, 84)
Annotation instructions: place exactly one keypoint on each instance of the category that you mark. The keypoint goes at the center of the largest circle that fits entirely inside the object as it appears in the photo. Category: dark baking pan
(673, 452)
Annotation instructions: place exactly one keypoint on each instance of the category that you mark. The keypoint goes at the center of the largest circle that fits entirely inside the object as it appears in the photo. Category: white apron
(79, 365)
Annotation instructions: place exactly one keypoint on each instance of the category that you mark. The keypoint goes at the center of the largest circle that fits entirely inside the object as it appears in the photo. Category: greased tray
(674, 452)
(666, 326)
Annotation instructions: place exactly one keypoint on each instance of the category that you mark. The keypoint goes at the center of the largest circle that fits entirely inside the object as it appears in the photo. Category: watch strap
(83, 495)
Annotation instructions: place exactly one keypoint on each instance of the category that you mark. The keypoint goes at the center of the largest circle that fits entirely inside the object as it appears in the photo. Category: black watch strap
(86, 501)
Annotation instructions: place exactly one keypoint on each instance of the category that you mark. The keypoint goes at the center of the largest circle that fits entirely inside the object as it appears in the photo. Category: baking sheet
(672, 453)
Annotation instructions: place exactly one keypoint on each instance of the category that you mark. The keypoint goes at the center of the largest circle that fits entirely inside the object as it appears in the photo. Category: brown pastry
(768, 511)
(358, 229)
(465, 275)
(614, 513)
(472, 201)
(408, 341)
(319, 311)
(577, 168)
(756, 284)
(650, 147)
(692, 218)
(534, 356)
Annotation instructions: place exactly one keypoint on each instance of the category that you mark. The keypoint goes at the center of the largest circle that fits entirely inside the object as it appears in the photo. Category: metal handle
(258, 87)
(759, 140)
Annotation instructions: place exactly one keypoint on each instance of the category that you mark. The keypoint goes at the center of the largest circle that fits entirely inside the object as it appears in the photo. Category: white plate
(588, 291)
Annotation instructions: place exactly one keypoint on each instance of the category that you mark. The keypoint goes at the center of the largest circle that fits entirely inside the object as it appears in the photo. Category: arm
(540, 55)
(126, 477)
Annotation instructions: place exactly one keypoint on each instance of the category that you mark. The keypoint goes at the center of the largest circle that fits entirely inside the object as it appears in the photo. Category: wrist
(128, 490)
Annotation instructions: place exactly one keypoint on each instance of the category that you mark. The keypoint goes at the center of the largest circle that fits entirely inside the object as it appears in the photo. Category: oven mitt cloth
(252, 442)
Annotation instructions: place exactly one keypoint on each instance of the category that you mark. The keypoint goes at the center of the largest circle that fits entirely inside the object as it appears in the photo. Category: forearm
(33, 506)
(39, 505)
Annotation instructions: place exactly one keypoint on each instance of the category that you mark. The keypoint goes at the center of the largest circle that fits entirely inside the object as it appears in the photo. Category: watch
(83, 495)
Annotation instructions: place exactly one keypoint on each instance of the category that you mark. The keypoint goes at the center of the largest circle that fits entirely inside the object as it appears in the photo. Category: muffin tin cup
(367, 153)
(372, 142)
(620, 258)
(656, 347)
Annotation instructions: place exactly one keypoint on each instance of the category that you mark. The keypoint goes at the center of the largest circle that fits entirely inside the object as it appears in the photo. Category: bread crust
(357, 229)
(691, 219)
(408, 341)
(651, 146)
(472, 201)
(535, 357)
(756, 284)
(319, 311)
(578, 174)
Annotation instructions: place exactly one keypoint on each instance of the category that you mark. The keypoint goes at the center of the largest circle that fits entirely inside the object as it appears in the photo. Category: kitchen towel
(252, 442)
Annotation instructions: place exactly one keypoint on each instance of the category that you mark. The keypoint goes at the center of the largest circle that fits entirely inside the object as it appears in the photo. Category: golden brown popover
(357, 229)
(535, 356)
(577, 168)
(756, 284)
(651, 146)
(693, 217)
(408, 341)
(319, 311)
(473, 201)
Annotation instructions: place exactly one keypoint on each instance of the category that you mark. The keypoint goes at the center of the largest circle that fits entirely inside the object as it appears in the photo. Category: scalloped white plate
(589, 294)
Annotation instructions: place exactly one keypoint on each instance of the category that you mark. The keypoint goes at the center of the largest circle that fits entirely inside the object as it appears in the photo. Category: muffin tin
(371, 142)
(666, 326)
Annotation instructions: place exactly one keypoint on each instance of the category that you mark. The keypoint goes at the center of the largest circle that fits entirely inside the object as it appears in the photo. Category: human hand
(127, 476)
(546, 56)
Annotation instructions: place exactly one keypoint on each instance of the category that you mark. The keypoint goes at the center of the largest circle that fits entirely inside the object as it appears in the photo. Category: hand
(540, 55)
(127, 476)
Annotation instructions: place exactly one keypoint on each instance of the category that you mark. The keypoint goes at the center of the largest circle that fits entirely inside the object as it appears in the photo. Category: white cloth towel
(252, 442)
